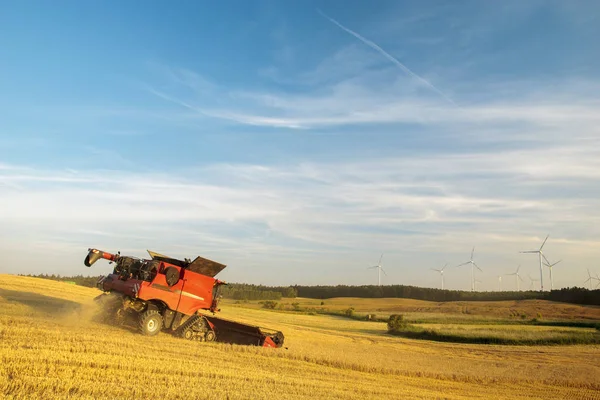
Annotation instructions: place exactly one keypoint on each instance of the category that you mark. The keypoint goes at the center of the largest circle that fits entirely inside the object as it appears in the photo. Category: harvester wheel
(210, 336)
(188, 334)
(150, 322)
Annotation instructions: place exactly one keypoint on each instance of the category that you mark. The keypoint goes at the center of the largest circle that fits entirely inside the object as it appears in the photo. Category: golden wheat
(50, 348)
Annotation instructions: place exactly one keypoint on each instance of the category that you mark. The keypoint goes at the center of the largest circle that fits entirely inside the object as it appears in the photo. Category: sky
(297, 141)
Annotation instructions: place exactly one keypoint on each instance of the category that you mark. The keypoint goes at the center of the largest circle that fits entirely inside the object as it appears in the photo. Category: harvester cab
(168, 294)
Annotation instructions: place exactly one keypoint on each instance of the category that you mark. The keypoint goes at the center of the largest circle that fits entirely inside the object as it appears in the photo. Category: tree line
(243, 291)
(87, 281)
(575, 295)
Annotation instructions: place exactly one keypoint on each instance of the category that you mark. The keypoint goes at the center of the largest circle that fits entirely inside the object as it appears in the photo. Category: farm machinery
(171, 295)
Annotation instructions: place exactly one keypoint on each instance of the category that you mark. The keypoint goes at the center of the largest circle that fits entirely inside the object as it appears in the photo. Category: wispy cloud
(375, 97)
(389, 57)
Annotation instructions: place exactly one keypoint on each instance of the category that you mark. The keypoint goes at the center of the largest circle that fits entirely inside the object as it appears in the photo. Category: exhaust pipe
(95, 254)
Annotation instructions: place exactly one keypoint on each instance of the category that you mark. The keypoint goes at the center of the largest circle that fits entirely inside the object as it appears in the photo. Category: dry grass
(49, 348)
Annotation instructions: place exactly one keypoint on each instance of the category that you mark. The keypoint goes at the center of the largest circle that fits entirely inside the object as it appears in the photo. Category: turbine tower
(517, 277)
(379, 269)
(532, 281)
(540, 255)
(499, 283)
(473, 265)
(441, 271)
(547, 264)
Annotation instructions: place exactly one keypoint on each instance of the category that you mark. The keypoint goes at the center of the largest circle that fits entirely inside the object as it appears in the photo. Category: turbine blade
(472, 251)
(552, 265)
(383, 270)
(460, 265)
(544, 242)
(477, 266)
(519, 276)
(545, 259)
(380, 258)
(518, 268)
(530, 251)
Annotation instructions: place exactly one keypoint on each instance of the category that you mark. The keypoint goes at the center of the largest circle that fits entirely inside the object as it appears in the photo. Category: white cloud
(321, 213)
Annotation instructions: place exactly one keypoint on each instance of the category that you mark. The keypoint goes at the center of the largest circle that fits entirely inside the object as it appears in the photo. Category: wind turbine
(441, 271)
(379, 269)
(540, 255)
(532, 281)
(472, 271)
(517, 277)
(589, 279)
(499, 282)
(547, 264)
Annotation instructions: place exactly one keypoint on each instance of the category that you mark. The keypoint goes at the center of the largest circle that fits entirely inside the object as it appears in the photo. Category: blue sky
(297, 141)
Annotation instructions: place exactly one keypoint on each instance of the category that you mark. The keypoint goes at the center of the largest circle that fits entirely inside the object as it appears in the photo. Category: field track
(50, 348)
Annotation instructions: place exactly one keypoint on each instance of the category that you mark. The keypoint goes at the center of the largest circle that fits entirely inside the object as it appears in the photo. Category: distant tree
(396, 322)
(290, 292)
(270, 304)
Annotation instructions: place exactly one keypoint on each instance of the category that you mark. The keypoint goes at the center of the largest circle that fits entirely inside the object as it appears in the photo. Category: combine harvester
(166, 294)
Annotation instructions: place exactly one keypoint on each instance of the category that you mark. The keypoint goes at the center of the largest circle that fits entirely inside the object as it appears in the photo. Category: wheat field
(432, 311)
(50, 348)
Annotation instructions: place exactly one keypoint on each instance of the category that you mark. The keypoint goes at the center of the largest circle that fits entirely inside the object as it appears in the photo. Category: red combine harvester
(167, 294)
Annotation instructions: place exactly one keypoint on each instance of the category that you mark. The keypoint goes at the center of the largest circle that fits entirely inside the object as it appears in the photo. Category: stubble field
(51, 348)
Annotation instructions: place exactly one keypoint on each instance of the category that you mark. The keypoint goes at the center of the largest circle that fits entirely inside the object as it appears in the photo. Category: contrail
(388, 56)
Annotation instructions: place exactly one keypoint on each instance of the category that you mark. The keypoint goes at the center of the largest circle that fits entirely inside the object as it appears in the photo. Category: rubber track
(187, 324)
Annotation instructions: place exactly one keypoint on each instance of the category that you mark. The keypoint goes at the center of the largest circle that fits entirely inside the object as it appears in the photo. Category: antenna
(540, 255)
(473, 265)
(441, 271)
(517, 277)
(379, 269)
